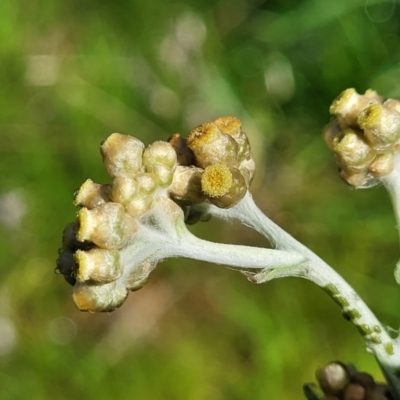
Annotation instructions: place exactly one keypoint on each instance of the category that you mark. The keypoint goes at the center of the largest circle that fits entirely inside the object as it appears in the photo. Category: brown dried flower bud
(354, 391)
(223, 186)
(186, 185)
(98, 266)
(99, 298)
(349, 104)
(211, 146)
(107, 226)
(332, 378)
(66, 266)
(382, 165)
(184, 154)
(122, 154)
(351, 151)
(381, 126)
(91, 195)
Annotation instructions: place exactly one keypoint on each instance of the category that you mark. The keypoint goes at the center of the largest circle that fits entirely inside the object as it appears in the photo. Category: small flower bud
(223, 186)
(382, 165)
(160, 153)
(229, 125)
(91, 195)
(98, 266)
(147, 183)
(186, 185)
(381, 126)
(232, 126)
(122, 154)
(349, 104)
(99, 298)
(211, 146)
(107, 226)
(393, 104)
(139, 206)
(362, 180)
(354, 391)
(124, 189)
(184, 154)
(331, 131)
(352, 152)
(332, 378)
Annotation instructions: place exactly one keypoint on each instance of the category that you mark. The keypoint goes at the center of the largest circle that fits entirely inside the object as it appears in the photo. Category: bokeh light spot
(62, 330)
(379, 12)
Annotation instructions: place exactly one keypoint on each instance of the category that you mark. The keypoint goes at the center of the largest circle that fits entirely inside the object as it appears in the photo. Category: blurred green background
(71, 73)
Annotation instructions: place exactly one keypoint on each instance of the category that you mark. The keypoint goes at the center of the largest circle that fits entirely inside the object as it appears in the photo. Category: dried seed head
(211, 146)
(332, 378)
(184, 154)
(91, 195)
(99, 298)
(381, 126)
(122, 154)
(186, 185)
(352, 153)
(107, 226)
(349, 104)
(98, 266)
(223, 186)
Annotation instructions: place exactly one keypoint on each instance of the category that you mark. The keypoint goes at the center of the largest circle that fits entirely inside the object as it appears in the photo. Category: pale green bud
(349, 104)
(99, 298)
(91, 195)
(107, 226)
(381, 126)
(352, 152)
(98, 265)
(382, 165)
(186, 185)
(122, 154)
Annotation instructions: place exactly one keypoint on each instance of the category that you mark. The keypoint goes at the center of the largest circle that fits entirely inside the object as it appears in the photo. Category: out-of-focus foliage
(71, 73)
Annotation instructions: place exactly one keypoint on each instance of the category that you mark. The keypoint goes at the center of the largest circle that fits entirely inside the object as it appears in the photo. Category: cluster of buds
(213, 165)
(339, 381)
(364, 136)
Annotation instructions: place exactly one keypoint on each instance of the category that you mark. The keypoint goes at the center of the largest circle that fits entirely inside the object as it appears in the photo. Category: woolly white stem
(377, 339)
(392, 185)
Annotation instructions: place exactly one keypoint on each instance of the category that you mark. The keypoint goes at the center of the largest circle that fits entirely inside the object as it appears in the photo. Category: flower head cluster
(147, 186)
(364, 136)
(339, 381)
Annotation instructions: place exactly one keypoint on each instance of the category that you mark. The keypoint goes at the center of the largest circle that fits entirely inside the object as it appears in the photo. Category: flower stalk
(126, 227)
